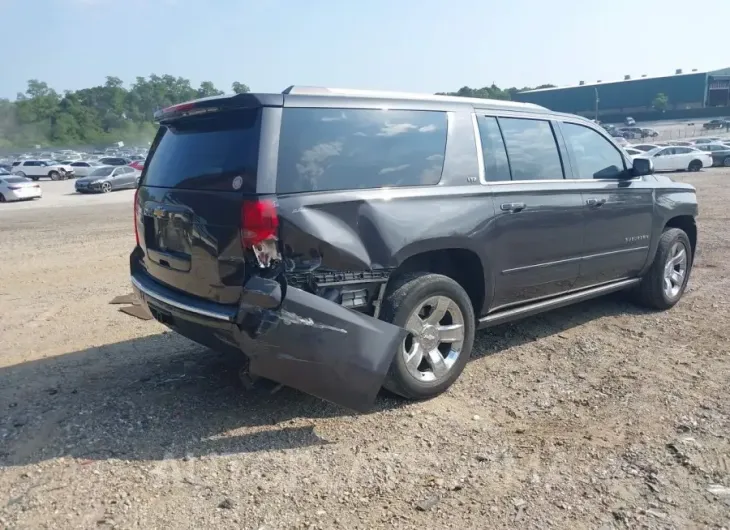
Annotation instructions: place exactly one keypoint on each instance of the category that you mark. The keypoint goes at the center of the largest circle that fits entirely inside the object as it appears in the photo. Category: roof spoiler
(217, 104)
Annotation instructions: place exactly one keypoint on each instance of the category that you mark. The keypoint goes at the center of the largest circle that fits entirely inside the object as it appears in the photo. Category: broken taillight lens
(259, 222)
(259, 228)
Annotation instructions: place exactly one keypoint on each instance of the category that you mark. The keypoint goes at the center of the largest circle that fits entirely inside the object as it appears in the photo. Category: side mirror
(642, 166)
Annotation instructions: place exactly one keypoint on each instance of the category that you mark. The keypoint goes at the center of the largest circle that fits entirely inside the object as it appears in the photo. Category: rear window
(14, 180)
(335, 149)
(206, 152)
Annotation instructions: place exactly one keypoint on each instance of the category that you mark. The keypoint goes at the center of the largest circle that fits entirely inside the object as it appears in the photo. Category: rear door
(538, 235)
(199, 171)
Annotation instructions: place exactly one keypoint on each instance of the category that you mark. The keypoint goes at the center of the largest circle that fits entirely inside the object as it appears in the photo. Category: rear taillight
(136, 216)
(259, 230)
(259, 222)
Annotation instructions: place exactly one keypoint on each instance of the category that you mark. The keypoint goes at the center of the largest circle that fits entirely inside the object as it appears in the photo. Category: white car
(35, 169)
(84, 168)
(632, 152)
(645, 147)
(678, 158)
(15, 188)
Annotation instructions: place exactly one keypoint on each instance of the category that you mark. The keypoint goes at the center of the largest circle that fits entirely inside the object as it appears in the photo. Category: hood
(89, 180)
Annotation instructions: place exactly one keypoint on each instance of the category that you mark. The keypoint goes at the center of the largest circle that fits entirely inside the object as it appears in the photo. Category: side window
(496, 166)
(533, 153)
(594, 156)
(682, 150)
(334, 149)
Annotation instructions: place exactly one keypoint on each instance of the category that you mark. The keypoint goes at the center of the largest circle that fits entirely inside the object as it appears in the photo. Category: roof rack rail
(295, 90)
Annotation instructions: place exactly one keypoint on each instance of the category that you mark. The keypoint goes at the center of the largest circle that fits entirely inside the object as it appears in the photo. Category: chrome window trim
(554, 181)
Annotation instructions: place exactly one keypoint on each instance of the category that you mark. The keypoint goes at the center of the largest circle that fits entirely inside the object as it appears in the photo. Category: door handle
(596, 202)
(512, 206)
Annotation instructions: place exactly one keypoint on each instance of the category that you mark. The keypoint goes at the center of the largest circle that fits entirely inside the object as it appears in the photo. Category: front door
(618, 208)
(538, 231)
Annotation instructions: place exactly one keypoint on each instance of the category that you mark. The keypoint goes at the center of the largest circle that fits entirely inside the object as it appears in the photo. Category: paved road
(61, 194)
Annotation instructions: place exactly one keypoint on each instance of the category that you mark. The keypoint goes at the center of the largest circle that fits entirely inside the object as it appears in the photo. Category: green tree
(239, 88)
(208, 89)
(660, 102)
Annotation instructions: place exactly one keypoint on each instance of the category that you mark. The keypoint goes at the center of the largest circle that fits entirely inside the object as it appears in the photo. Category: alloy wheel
(435, 339)
(675, 270)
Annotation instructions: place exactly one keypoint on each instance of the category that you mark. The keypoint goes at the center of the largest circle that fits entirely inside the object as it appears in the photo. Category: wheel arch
(460, 263)
(688, 225)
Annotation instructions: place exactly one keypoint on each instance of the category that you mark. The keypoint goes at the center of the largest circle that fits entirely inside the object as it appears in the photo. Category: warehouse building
(684, 91)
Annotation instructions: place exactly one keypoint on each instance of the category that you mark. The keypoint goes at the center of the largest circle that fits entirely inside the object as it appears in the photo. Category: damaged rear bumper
(289, 335)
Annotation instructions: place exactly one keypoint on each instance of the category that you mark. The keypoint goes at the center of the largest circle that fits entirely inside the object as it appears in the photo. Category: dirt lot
(595, 416)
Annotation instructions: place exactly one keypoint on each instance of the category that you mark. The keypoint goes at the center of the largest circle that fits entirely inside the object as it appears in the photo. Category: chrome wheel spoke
(436, 361)
(451, 333)
(679, 257)
(414, 358)
(414, 324)
(438, 310)
(676, 277)
(668, 285)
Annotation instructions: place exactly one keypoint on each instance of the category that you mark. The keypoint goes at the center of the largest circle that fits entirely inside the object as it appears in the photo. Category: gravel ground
(599, 415)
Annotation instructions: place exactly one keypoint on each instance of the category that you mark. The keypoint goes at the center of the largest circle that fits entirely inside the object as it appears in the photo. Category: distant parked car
(720, 153)
(85, 167)
(682, 143)
(714, 124)
(649, 133)
(630, 121)
(137, 164)
(645, 147)
(632, 132)
(35, 169)
(115, 161)
(108, 178)
(678, 158)
(707, 140)
(15, 188)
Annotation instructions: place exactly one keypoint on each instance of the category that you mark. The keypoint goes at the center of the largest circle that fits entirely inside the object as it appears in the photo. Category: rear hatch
(200, 170)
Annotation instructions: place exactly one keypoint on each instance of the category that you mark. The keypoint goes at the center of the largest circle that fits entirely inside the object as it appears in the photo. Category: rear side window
(594, 156)
(335, 149)
(496, 167)
(206, 152)
(533, 153)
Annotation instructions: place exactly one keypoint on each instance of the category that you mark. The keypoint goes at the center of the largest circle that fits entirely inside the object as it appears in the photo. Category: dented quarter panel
(380, 229)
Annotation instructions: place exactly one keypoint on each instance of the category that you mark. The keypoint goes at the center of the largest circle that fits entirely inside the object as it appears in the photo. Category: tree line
(97, 115)
(111, 113)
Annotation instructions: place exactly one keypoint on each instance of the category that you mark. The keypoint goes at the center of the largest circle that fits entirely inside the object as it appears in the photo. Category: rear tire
(664, 284)
(695, 165)
(428, 362)
(2, 197)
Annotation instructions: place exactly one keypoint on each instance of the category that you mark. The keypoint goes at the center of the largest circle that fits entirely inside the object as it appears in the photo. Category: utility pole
(597, 100)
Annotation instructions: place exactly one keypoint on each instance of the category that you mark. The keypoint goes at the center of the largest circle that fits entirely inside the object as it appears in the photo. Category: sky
(410, 45)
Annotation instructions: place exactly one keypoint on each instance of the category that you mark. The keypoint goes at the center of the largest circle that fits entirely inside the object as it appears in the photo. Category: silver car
(84, 168)
(108, 178)
(14, 188)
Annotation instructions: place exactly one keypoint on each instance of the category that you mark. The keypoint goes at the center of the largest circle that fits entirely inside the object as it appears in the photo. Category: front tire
(439, 316)
(106, 187)
(2, 198)
(664, 284)
(695, 165)
(726, 161)
(55, 175)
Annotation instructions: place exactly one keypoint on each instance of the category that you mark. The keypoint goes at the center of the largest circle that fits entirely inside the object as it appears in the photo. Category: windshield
(102, 172)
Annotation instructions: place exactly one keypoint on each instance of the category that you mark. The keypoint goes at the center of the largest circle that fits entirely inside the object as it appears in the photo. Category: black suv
(349, 240)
